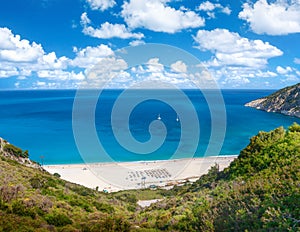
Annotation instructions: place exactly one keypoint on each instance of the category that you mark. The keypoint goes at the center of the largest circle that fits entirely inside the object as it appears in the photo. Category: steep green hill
(285, 101)
(259, 191)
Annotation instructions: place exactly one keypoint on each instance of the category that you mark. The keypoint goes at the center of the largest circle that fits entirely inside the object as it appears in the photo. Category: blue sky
(243, 44)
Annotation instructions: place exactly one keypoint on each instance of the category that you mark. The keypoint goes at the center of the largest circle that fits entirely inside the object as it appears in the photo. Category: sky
(53, 44)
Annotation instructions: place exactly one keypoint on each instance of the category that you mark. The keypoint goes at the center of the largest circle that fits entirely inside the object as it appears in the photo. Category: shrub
(294, 128)
(20, 209)
(58, 219)
(13, 150)
(56, 175)
(106, 208)
(37, 182)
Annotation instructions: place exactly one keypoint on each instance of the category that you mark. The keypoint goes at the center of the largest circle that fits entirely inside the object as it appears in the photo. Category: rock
(22, 160)
(285, 101)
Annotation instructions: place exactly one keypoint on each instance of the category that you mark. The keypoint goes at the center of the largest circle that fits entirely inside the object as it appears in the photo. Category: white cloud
(107, 30)
(41, 83)
(179, 66)
(84, 19)
(50, 61)
(60, 75)
(20, 57)
(101, 4)
(8, 73)
(230, 48)
(13, 49)
(136, 43)
(236, 60)
(276, 18)
(236, 81)
(154, 66)
(297, 60)
(23, 59)
(209, 7)
(56, 72)
(291, 78)
(283, 71)
(266, 74)
(156, 15)
(89, 56)
(226, 10)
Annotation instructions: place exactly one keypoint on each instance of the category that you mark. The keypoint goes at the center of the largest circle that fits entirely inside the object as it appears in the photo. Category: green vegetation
(259, 191)
(9, 148)
(285, 101)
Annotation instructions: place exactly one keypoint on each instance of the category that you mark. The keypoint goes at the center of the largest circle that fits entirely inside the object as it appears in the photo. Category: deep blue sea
(41, 122)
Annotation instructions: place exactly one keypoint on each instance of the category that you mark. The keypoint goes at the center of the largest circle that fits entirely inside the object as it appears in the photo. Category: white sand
(135, 175)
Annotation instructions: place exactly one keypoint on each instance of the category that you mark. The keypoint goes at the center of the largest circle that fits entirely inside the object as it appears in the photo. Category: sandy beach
(113, 177)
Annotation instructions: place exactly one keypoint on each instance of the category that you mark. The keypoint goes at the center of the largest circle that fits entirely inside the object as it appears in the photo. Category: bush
(294, 128)
(58, 219)
(37, 182)
(56, 175)
(106, 208)
(20, 209)
(127, 197)
(13, 150)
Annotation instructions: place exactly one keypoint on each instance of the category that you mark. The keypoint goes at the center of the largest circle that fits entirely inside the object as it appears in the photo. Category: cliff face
(14, 153)
(285, 101)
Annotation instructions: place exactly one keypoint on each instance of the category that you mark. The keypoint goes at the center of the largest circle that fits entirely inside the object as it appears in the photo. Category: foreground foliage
(259, 191)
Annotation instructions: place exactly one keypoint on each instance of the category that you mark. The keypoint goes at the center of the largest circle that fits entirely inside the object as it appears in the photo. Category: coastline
(117, 176)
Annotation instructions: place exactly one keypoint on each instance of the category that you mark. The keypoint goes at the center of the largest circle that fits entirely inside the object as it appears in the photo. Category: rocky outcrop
(285, 101)
(9, 153)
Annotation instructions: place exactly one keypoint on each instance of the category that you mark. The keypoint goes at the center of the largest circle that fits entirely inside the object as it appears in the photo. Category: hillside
(259, 191)
(285, 101)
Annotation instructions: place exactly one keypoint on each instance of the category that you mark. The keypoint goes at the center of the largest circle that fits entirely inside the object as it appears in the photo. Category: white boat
(177, 119)
(159, 118)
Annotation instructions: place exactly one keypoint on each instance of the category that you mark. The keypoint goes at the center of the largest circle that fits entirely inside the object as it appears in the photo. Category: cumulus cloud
(230, 48)
(63, 75)
(179, 66)
(107, 30)
(278, 17)
(154, 66)
(84, 19)
(157, 16)
(210, 7)
(22, 58)
(8, 73)
(283, 71)
(101, 4)
(136, 43)
(15, 49)
(235, 59)
(297, 60)
(89, 56)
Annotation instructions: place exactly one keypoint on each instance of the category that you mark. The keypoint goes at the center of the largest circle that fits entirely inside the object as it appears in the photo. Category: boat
(177, 119)
(159, 118)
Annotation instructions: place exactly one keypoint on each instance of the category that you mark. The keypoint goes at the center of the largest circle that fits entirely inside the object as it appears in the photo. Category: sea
(43, 121)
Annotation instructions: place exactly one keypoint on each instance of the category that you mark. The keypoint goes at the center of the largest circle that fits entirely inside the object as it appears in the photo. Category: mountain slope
(285, 101)
(259, 191)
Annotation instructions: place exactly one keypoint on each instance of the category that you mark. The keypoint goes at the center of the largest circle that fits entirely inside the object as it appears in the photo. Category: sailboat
(177, 119)
(159, 118)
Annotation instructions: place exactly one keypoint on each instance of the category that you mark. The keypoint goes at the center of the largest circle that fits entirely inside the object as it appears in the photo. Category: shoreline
(117, 176)
(138, 161)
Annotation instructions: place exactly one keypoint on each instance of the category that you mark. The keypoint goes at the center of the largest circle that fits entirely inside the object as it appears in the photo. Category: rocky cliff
(14, 153)
(285, 101)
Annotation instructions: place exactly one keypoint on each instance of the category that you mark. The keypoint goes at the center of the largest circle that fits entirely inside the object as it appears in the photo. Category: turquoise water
(41, 122)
